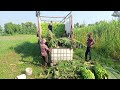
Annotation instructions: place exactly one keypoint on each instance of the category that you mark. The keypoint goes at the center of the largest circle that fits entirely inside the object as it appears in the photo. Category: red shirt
(90, 42)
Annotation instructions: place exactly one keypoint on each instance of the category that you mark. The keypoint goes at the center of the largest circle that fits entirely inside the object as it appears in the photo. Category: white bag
(22, 76)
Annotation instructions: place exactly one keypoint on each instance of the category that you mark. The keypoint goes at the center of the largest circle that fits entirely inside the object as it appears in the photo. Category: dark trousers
(88, 52)
(47, 59)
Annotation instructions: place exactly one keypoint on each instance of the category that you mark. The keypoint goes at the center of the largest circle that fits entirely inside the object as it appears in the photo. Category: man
(44, 50)
(90, 43)
(50, 27)
(65, 34)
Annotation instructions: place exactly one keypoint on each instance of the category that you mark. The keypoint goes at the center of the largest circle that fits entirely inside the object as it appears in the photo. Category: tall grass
(106, 35)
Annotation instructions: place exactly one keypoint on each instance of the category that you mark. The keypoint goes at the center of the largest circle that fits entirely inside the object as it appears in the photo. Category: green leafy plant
(86, 73)
(100, 72)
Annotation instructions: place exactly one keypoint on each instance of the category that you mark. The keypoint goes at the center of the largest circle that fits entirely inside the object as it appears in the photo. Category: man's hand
(50, 50)
(92, 46)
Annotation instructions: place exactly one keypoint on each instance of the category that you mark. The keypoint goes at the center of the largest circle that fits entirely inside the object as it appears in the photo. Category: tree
(29, 28)
(82, 25)
(24, 28)
(17, 28)
(9, 28)
(76, 25)
(1, 30)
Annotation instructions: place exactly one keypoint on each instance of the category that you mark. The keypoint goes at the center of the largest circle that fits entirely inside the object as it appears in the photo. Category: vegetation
(64, 42)
(21, 51)
(23, 28)
(100, 72)
(86, 73)
(58, 29)
(106, 35)
(1, 30)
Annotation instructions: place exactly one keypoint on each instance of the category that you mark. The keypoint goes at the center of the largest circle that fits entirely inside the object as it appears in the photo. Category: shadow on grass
(28, 49)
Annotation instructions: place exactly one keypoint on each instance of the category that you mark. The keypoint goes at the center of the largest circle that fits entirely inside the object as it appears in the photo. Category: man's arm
(93, 42)
(47, 48)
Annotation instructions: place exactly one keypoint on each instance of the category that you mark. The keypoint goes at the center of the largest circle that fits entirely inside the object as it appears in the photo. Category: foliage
(100, 72)
(28, 28)
(86, 73)
(76, 25)
(58, 29)
(23, 28)
(106, 35)
(52, 40)
(1, 30)
(9, 28)
(63, 42)
(21, 51)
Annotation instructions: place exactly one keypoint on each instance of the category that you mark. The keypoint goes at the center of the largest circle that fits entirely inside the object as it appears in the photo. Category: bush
(100, 72)
(86, 73)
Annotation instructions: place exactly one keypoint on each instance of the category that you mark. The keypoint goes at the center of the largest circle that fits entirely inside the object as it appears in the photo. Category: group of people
(45, 50)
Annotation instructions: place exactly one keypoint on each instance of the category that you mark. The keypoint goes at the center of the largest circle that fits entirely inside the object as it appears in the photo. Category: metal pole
(66, 16)
(50, 17)
(71, 26)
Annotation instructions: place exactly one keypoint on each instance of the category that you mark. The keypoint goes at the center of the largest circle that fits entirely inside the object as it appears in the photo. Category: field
(17, 53)
(21, 51)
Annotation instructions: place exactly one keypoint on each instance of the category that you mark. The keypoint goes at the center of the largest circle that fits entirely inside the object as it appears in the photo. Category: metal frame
(39, 22)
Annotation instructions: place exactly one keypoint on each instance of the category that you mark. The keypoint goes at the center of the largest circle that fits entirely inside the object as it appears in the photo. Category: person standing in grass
(44, 53)
(90, 43)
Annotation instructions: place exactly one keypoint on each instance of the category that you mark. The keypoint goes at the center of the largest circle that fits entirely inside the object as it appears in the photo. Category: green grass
(17, 49)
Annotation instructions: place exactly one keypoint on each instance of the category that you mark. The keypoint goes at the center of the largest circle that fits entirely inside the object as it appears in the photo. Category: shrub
(86, 73)
(100, 72)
